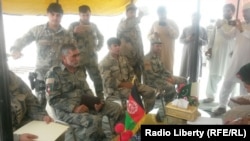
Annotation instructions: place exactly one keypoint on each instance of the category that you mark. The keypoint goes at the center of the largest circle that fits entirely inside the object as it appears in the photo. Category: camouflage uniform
(156, 76)
(114, 72)
(65, 90)
(131, 43)
(88, 46)
(48, 44)
(24, 105)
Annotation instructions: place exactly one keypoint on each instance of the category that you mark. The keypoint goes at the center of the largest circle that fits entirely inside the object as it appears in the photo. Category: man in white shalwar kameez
(219, 48)
(168, 32)
(240, 57)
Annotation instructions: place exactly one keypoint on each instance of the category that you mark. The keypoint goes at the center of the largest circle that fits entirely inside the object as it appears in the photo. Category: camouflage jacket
(65, 89)
(24, 105)
(48, 44)
(114, 71)
(154, 73)
(129, 30)
(89, 41)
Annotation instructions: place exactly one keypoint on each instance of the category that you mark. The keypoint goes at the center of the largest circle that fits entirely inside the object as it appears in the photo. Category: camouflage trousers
(90, 62)
(40, 87)
(170, 90)
(93, 126)
(168, 96)
(147, 93)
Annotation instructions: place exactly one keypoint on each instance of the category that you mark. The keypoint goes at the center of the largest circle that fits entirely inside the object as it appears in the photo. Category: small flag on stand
(135, 115)
(135, 111)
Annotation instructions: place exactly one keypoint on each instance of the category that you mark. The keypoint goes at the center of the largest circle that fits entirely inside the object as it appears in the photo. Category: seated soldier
(240, 114)
(117, 75)
(24, 107)
(69, 95)
(155, 74)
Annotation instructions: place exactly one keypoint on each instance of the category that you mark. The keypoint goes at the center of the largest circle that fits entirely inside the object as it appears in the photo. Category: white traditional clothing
(191, 63)
(168, 34)
(221, 46)
(241, 56)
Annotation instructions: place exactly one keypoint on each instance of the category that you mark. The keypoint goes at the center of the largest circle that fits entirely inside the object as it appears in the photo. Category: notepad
(44, 131)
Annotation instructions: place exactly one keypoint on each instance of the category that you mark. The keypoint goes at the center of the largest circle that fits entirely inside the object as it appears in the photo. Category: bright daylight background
(178, 10)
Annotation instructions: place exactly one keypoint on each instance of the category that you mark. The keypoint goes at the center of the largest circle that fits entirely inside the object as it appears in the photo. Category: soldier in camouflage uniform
(65, 87)
(89, 41)
(131, 42)
(24, 106)
(156, 76)
(49, 37)
(117, 75)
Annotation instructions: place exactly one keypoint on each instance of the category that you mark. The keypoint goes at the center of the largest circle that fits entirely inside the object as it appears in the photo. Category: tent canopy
(38, 7)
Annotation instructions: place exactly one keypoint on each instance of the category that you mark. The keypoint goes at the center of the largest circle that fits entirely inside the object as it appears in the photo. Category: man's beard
(75, 65)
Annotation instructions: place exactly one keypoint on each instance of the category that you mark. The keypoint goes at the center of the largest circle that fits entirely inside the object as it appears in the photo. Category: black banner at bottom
(196, 132)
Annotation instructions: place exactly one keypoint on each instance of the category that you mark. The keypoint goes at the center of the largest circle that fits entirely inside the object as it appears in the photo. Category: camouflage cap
(131, 7)
(155, 40)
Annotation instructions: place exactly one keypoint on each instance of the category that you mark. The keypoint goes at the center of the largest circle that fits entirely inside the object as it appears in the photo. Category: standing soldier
(117, 77)
(49, 37)
(70, 96)
(168, 32)
(131, 43)
(89, 40)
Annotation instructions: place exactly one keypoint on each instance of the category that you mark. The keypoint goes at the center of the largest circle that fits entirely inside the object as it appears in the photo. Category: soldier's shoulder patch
(50, 80)
(49, 88)
(50, 85)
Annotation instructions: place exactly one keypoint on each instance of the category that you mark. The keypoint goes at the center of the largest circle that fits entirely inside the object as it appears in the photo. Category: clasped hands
(84, 109)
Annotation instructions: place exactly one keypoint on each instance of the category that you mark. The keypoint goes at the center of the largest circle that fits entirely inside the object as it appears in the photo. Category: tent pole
(197, 32)
(6, 131)
(237, 9)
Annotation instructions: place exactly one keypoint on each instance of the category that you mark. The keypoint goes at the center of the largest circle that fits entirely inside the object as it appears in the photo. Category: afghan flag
(135, 111)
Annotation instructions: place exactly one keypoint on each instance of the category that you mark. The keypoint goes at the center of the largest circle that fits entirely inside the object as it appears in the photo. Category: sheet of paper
(206, 121)
(44, 131)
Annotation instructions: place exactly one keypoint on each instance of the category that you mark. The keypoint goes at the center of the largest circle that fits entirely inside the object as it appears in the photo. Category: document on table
(44, 131)
(206, 121)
